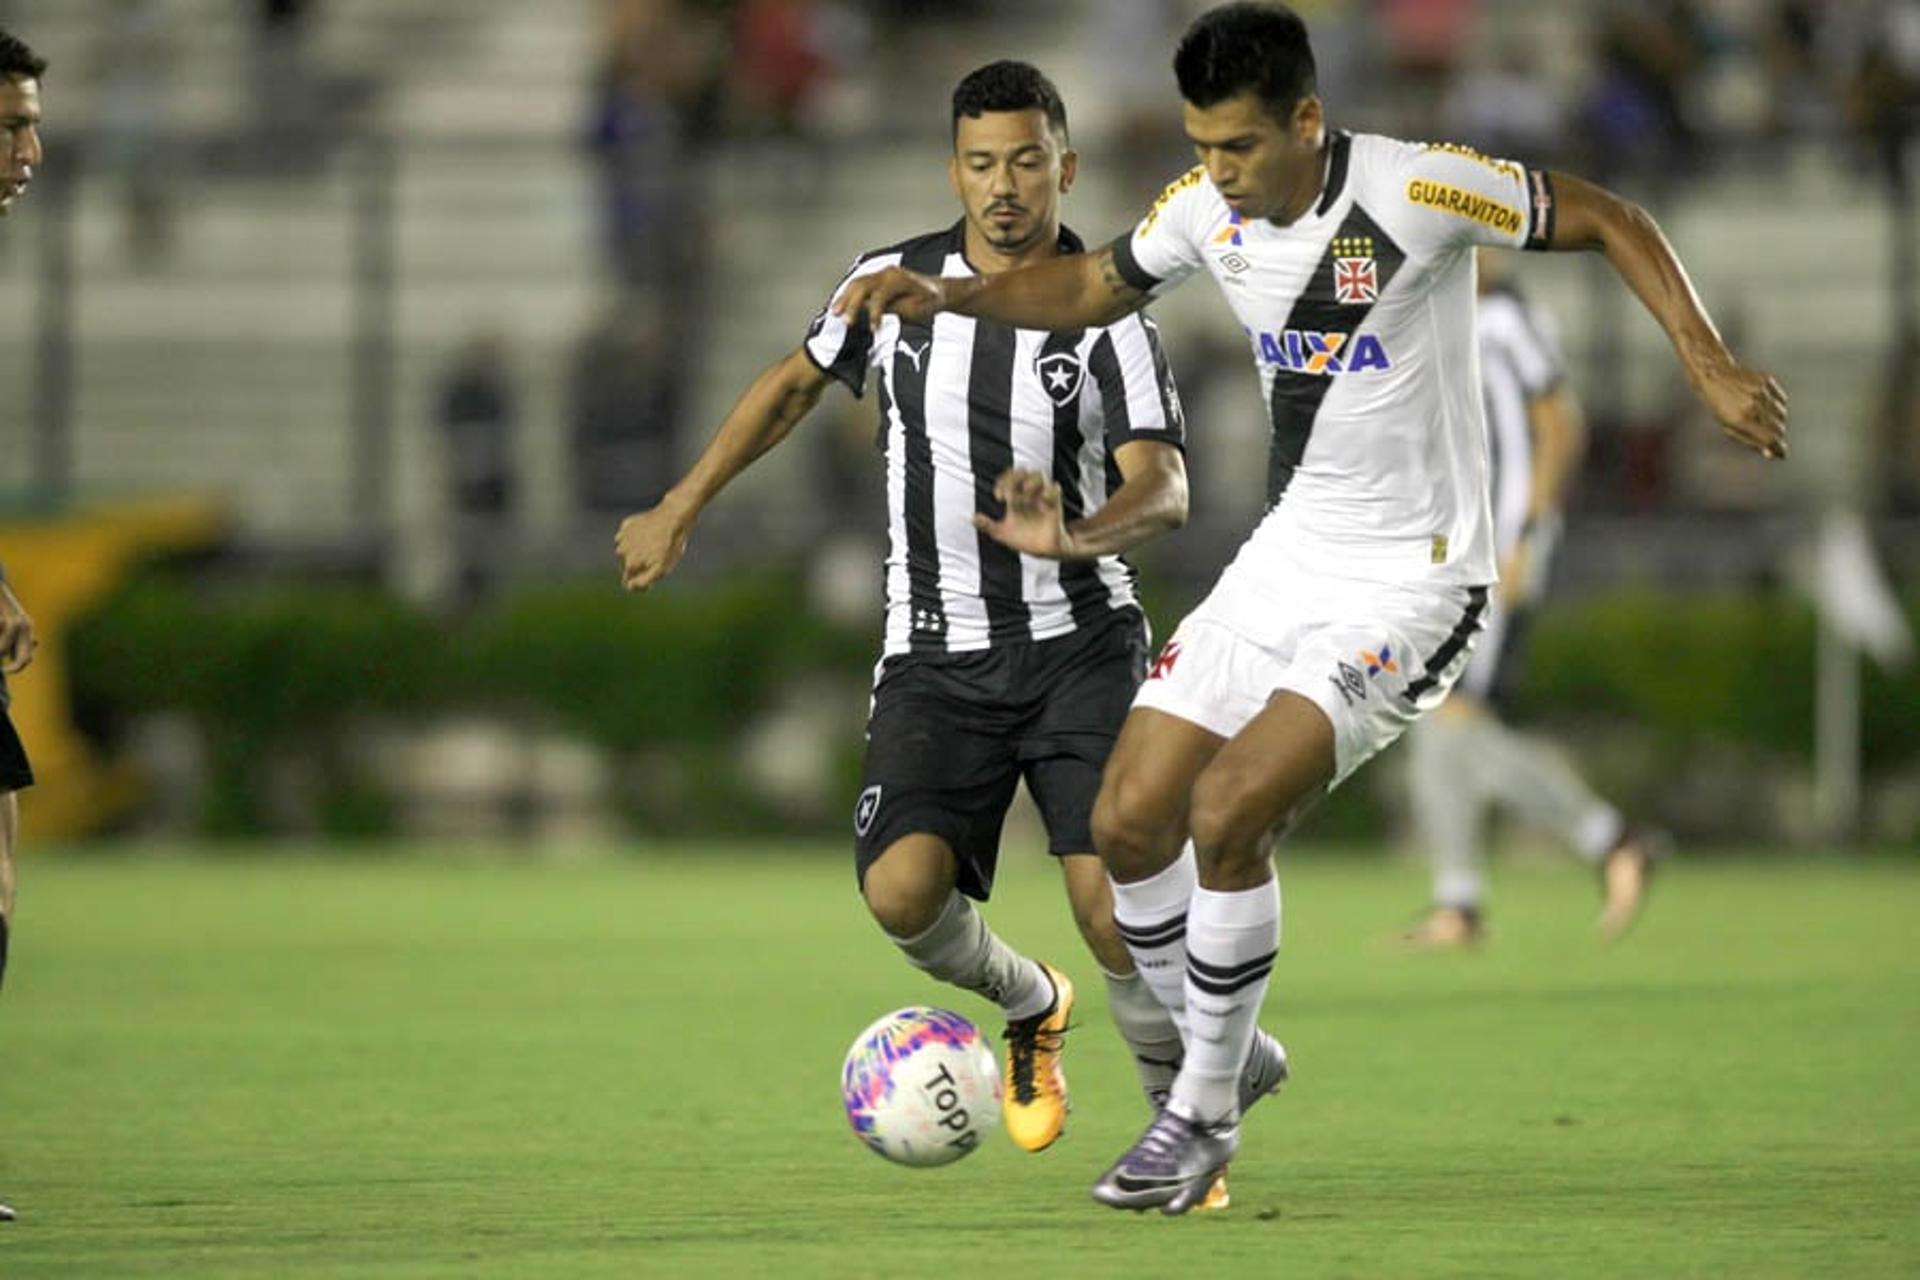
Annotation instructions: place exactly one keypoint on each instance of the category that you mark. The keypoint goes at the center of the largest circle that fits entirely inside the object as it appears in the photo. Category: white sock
(960, 949)
(1232, 939)
(1150, 1034)
(1151, 917)
(1449, 810)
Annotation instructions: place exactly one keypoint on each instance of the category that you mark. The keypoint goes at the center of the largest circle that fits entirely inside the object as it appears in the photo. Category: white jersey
(1361, 319)
(1520, 362)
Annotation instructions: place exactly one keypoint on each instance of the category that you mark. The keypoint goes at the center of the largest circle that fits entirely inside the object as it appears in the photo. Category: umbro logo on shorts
(1350, 682)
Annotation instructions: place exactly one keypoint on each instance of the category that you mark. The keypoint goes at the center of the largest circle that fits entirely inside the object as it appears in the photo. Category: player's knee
(904, 911)
(904, 895)
(1128, 832)
(1231, 816)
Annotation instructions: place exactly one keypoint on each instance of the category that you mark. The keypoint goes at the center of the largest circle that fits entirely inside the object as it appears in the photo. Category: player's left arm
(17, 638)
(1151, 500)
(1559, 442)
(1750, 404)
(1559, 435)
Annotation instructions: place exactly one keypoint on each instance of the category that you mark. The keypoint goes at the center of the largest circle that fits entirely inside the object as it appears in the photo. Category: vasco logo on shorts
(1351, 684)
(864, 811)
(1381, 661)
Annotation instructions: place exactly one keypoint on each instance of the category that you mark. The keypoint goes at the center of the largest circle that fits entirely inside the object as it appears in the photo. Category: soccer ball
(921, 1087)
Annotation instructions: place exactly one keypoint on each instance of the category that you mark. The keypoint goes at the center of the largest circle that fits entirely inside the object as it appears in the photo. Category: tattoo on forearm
(1116, 283)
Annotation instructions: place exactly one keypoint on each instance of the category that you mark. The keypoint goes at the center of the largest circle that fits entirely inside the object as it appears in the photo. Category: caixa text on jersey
(1309, 351)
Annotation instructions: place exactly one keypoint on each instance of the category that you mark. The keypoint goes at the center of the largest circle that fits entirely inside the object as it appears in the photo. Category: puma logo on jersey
(1310, 351)
(916, 356)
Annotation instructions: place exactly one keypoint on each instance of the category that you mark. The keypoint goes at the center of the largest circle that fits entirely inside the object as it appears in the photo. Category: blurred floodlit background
(340, 334)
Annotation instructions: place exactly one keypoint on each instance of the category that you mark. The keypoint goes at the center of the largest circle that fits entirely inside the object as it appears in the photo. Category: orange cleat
(1035, 1110)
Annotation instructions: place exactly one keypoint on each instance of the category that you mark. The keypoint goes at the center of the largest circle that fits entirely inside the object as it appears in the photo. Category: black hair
(1246, 48)
(1008, 86)
(17, 61)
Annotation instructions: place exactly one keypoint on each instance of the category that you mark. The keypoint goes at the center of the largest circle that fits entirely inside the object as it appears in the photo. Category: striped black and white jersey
(1360, 315)
(960, 402)
(1520, 362)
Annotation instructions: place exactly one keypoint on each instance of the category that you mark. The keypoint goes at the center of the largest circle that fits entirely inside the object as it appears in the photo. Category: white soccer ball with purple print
(921, 1087)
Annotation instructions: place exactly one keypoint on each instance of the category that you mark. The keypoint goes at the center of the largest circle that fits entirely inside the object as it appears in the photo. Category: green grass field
(274, 1065)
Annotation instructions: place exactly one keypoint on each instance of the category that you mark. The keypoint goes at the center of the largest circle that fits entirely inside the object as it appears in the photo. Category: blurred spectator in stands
(1133, 42)
(787, 59)
(1800, 99)
(1882, 101)
(654, 83)
(284, 100)
(133, 54)
(781, 61)
(479, 418)
(1883, 88)
(846, 478)
(627, 392)
(1506, 107)
(1649, 55)
(1424, 43)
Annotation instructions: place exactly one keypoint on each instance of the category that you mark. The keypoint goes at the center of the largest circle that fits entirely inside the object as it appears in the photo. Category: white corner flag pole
(1857, 611)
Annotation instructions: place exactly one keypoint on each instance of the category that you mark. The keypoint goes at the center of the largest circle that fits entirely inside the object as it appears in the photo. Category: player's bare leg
(9, 836)
(1091, 897)
(910, 891)
(1140, 819)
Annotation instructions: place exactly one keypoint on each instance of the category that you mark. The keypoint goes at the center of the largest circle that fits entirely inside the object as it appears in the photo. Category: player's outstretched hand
(1035, 522)
(896, 291)
(17, 638)
(650, 545)
(1751, 406)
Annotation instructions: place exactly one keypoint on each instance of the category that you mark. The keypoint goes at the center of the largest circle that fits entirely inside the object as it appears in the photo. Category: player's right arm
(1072, 291)
(651, 543)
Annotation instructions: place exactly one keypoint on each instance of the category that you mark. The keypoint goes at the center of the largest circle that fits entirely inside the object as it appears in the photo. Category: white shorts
(1374, 656)
(1483, 678)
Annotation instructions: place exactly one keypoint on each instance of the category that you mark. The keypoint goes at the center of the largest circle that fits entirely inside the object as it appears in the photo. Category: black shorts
(15, 773)
(951, 736)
